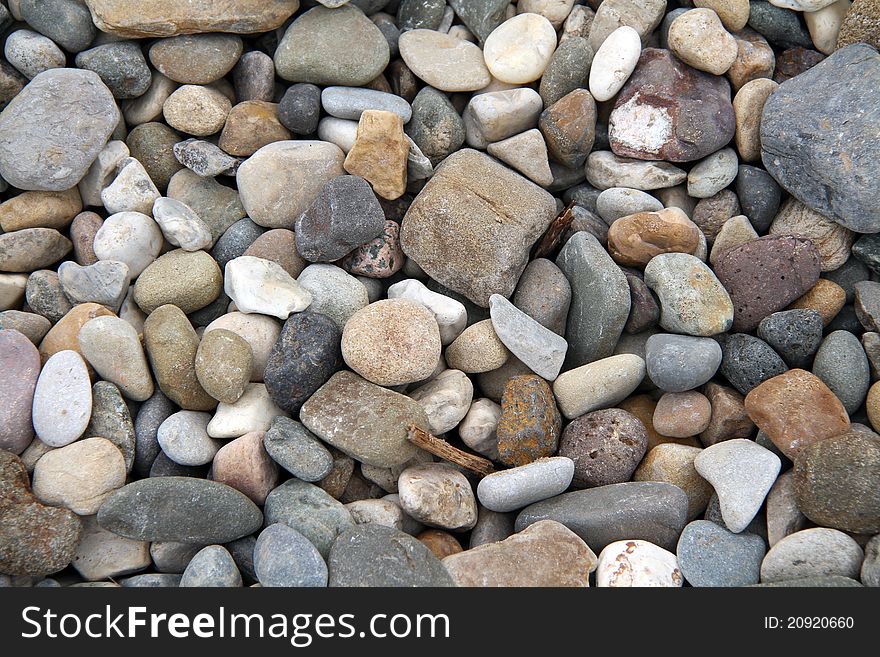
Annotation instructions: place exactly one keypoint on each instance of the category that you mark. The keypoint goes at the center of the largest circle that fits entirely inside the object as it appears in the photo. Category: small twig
(446, 451)
(554, 232)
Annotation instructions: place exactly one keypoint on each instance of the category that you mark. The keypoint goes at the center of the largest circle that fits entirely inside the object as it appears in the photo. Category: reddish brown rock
(442, 544)
(244, 464)
(711, 213)
(754, 59)
(19, 369)
(250, 126)
(682, 414)
(729, 418)
(796, 409)
(569, 128)
(530, 422)
(278, 245)
(35, 540)
(82, 233)
(766, 275)
(606, 447)
(380, 257)
(670, 111)
(795, 61)
(635, 239)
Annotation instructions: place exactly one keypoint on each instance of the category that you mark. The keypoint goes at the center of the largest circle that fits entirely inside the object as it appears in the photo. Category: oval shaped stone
(284, 557)
(606, 447)
(815, 552)
(19, 370)
(62, 399)
(438, 495)
(113, 347)
(181, 509)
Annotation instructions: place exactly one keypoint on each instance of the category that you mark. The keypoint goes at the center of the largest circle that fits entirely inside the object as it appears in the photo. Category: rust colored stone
(754, 59)
(796, 409)
(643, 407)
(530, 422)
(569, 127)
(795, 61)
(635, 239)
(825, 297)
(441, 543)
(65, 334)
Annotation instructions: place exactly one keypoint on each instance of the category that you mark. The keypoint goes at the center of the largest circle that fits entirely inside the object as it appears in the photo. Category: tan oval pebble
(443, 61)
(643, 406)
(735, 231)
(80, 476)
(250, 126)
(825, 297)
(699, 39)
(477, 349)
(755, 59)
(196, 110)
(682, 414)
(600, 384)
(441, 543)
(674, 464)
(392, 342)
(65, 334)
(196, 58)
(112, 346)
(171, 345)
(188, 279)
(734, 14)
(438, 495)
(747, 107)
(223, 364)
(40, 210)
(259, 331)
(635, 239)
(278, 245)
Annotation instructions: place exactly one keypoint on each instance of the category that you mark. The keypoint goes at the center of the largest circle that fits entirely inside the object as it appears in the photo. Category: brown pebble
(682, 414)
(530, 421)
(65, 334)
(643, 407)
(380, 153)
(729, 417)
(754, 59)
(82, 233)
(674, 464)
(244, 464)
(278, 245)
(40, 210)
(441, 543)
(635, 239)
(825, 297)
(250, 126)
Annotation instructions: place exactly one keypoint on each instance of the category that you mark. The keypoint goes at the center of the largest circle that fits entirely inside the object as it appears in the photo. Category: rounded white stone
(257, 285)
(184, 439)
(131, 191)
(451, 315)
(62, 399)
(497, 115)
(712, 174)
(341, 132)
(614, 62)
(129, 237)
(518, 50)
(509, 490)
(253, 411)
(637, 563)
(824, 25)
(477, 429)
(445, 399)
(181, 225)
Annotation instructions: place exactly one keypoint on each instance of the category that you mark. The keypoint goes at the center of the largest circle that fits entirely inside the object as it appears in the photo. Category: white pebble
(614, 62)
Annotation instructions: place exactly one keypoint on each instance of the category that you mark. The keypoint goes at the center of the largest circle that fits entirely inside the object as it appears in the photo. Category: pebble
(215, 204)
(741, 489)
(783, 515)
(284, 557)
(841, 363)
(712, 174)
(171, 344)
(870, 572)
(516, 488)
(699, 39)
(497, 115)
(37, 540)
(132, 190)
(223, 365)
(444, 61)
(380, 153)
(310, 510)
(79, 476)
(682, 414)
(350, 103)
(526, 153)
(184, 439)
(32, 248)
(103, 555)
(278, 245)
(672, 97)
(180, 225)
(816, 552)
(701, 310)
(204, 158)
(105, 282)
(314, 50)
(637, 563)
(650, 511)
(478, 427)
(212, 566)
(676, 363)
(600, 384)
(181, 509)
(65, 333)
(12, 290)
(749, 361)
(40, 210)
(836, 482)
(196, 58)
(635, 239)
(451, 315)
(618, 202)
(112, 346)
(151, 414)
(859, 26)
(249, 126)
(643, 17)
(600, 299)
(380, 512)
(121, 66)
(530, 423)
(606, 447)
(710, 555)
(614, 62)
(300, 108)
(673, 463)
(438, 495)
(604, 170)
(82, 233)
(189, 280)
(832, 241)
(30, 325)
(796, 409)
(735, 231)
(31, 53)
(569, 128)
(280, 181)
(19, 372)
(567, 71)
(129, 237)
(446, 399)
(261, 286)
(245, 465)
(828, 299)
(62, 399)
(528, 558)
(297, 450)
(364, 420)
(372, 555)
(253, 411)
(536, 346)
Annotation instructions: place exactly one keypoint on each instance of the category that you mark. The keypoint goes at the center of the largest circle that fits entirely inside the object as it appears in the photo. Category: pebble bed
(622, 253)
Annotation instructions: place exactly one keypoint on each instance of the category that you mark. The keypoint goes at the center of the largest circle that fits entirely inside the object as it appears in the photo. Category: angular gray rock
(536, 346)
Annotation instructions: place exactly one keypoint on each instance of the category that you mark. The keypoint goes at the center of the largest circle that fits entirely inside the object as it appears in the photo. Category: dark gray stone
(212, 566)
(676, 363)
(710, 555)
(121, 65)
(420, 14)
(179, 509)
(345, 215)
(544, 294)
(151, 414)
(779, 26)
(67, 22)
(759, 196)
(819, 146)
(165, 467)
(644, 310)
(848, 274)
(242, 550)
(300, 108)
(749, 361)
(284, 557)
(305, 355)
(389, 30)
(376, 556)
(111, 419)
(491, 527)
(481, 16)
(45, 296)
(600, 300)
(647, 510)
(866, 304)
(297, 450)
(867, 249)
(235, 241)
(569, 69)
(254, 77)
(842, 365)
(435, 126)
(217, 308)
(845, 320)
(793, 334)
(309, 510)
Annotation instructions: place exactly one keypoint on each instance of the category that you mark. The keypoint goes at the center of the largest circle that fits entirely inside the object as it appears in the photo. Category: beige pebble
(196, 110)
(477, 349)
(747, 107)
(698, 38)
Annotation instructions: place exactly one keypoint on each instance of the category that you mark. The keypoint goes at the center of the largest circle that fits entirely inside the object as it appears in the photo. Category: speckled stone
(606, 447)
(749, 361)
(676, 363)
(529, 426)
(794, 334)
(710, 555)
